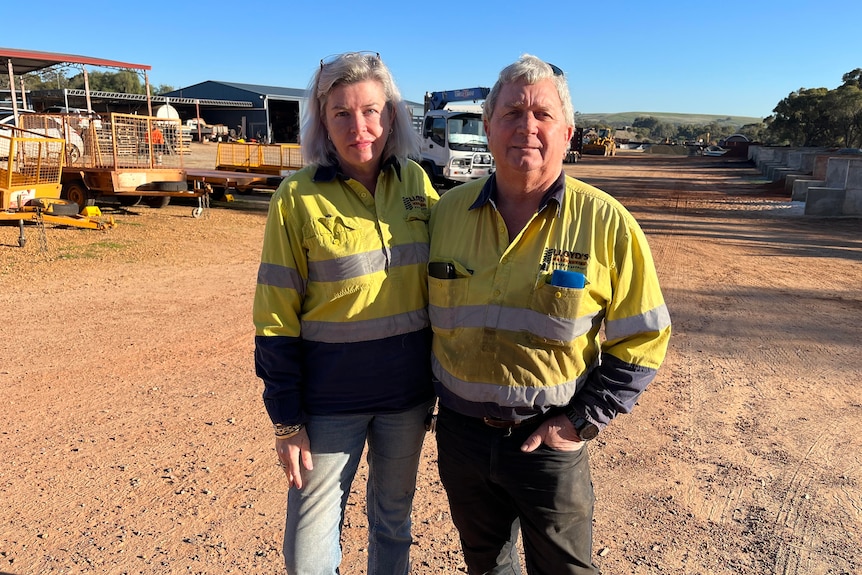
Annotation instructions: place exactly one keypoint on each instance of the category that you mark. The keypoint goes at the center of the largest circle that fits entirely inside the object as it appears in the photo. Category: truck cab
(454, 143)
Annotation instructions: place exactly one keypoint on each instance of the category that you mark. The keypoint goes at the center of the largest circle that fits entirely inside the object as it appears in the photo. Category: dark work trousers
(493, 488)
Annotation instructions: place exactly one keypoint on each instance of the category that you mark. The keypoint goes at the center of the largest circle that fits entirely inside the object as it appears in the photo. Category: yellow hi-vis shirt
(507, 343)
(340, 310)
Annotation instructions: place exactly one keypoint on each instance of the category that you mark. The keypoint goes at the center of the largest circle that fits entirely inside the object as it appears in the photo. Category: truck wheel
(78, 193)
(157, 201)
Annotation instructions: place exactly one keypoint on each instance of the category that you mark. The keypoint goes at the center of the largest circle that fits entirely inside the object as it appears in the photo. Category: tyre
(157, 201)
(168, 186)
(55, 207)
(78, 193)
(74, 154)
(63, 209)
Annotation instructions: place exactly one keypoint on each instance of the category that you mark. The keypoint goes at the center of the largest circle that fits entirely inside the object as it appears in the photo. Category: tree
(124, 81)
(844, 110)
(853, 77)
(161, 89)
(754, 132)
(645, 122)
(800, 119)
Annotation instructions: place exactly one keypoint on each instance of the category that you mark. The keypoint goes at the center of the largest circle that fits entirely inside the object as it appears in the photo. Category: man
(526, 267)
(157, 139)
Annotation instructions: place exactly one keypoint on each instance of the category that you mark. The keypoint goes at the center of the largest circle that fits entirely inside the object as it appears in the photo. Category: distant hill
(621, 119)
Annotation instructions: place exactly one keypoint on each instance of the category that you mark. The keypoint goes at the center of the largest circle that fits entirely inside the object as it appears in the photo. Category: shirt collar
(555, 192)
(329, 173)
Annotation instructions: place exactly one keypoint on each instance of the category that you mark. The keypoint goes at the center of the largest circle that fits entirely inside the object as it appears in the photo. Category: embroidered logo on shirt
(558, 259)
(415, 202)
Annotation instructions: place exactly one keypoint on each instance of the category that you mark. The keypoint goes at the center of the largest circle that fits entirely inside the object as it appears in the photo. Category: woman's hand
(291, 452)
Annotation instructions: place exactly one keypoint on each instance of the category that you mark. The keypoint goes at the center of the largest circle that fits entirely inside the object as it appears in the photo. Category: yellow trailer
(128, 157)
(31, 167)
(277, 160)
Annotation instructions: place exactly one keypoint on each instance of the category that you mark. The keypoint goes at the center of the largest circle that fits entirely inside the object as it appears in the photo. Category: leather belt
(505, 424)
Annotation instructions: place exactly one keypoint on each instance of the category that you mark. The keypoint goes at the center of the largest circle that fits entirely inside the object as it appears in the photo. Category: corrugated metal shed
(274, 115)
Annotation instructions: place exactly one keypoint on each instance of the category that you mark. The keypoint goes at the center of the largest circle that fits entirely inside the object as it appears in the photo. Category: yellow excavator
(599, 142)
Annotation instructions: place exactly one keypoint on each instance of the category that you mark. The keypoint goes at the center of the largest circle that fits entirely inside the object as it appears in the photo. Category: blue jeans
(495, 490)
(315, 513)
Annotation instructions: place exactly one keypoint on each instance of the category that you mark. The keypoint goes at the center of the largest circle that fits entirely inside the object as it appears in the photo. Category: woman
(342, 334)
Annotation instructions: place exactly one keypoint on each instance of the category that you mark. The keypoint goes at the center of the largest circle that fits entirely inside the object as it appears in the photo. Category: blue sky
(706, 57)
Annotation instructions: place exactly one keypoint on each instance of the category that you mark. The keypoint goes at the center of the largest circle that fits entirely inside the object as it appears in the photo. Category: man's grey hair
(346, 69)
(531, 70)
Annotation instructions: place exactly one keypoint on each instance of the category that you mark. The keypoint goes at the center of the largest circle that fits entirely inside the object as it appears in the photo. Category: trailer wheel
(168, 187)
(157, 201)
(78, 193)
(197, 212)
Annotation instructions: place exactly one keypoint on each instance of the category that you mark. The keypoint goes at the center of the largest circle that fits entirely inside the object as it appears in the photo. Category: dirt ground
(134, 439)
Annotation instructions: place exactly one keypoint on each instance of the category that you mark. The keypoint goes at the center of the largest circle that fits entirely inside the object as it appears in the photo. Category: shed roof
(255, 89)
(24, 61)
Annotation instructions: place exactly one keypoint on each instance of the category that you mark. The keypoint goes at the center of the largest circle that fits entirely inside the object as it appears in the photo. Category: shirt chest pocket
(562, 314)
(332, 237)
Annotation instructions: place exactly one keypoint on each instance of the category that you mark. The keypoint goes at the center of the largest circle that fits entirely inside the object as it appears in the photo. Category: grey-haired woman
(342, 338)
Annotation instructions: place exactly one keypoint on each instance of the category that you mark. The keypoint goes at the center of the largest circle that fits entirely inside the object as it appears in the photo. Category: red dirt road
(134, 439)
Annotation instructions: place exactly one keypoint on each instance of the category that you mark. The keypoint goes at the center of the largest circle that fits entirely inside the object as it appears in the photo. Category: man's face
(528, 131)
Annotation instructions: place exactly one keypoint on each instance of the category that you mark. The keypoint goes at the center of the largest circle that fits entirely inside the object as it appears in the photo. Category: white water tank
(167, 111)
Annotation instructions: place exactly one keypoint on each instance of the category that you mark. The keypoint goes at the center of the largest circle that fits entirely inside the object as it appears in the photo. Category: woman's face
(358, 120)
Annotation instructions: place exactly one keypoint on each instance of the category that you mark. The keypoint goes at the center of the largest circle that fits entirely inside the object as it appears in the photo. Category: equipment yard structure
(133, 158)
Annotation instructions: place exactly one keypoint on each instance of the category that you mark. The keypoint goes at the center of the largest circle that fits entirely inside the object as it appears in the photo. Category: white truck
(454, 144)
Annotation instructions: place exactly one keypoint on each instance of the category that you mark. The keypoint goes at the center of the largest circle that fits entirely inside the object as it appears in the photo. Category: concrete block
(764, 155)
(794, 159)
(854, 175)
(853, 203)
(790, 179)
(780, 174)
(836, 173)
(801, 187)
(823, 201)
(806, 164)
